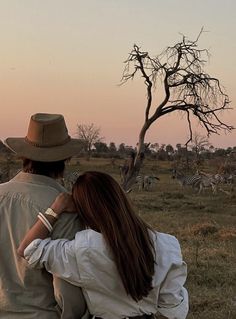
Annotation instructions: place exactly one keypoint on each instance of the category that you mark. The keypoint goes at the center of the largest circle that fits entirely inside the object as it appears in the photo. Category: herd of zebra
(198, 181)
(201, 180)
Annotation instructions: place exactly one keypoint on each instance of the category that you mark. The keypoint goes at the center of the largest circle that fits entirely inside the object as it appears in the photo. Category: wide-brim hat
(47, 140)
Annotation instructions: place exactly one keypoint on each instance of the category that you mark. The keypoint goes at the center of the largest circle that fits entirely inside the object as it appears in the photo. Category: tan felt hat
(47, 140)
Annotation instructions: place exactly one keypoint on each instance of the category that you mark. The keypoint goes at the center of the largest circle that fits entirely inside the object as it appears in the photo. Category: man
(28, 293)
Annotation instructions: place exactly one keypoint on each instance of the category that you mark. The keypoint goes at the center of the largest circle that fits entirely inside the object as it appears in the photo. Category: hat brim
(43, 154)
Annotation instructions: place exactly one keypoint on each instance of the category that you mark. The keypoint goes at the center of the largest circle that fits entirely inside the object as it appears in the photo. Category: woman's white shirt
(87, 262)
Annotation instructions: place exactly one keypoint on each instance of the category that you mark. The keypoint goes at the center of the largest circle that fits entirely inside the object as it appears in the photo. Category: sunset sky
(66, 56)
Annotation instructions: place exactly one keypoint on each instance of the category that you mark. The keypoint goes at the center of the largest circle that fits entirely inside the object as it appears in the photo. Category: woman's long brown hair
(104, 207)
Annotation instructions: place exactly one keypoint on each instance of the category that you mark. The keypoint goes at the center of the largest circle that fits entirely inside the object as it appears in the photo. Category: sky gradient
(66, 56)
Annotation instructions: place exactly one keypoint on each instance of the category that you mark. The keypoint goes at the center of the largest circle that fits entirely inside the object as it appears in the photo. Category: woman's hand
(63, 203)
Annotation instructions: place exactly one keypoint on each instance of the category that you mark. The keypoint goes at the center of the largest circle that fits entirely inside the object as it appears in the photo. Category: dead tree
(186, 88)
(198, 145)
(88, 134)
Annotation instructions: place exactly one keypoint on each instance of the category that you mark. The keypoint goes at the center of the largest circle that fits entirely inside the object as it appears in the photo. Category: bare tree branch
(186, 87)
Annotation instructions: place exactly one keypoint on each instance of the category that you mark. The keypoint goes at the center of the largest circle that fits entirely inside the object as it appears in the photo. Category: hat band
(47, 145)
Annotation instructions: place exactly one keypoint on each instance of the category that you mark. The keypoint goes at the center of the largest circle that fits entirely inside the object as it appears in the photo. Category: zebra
(206, 182)
(229, 178)
(209, 181)
(149, 181)
(146, 182)
(185, 180)
(69, 179)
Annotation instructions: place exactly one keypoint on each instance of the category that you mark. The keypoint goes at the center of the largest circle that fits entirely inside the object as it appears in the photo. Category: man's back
(26, 293)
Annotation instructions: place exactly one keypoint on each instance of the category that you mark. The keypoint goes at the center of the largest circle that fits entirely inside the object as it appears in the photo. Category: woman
(126, 269)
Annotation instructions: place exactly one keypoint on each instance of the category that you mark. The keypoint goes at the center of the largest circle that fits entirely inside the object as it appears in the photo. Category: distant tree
(101, 147)
(112, 147)
(169, 149)
(89, 134)
(162, 155)
(211, 148)
(129, 149)
(229, 150)
(155, 147)
(220, 152)
(186, 88)
(199, 144)
(178, 147)
(121, 149)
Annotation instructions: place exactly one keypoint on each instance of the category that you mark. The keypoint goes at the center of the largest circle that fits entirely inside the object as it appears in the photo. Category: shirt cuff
(34, 250)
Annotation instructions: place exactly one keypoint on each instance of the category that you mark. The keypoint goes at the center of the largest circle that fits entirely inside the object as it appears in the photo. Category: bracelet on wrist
(46, 222)
(51, 212)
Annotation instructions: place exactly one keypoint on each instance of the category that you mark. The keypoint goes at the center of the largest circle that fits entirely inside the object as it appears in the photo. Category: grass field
(204, 224)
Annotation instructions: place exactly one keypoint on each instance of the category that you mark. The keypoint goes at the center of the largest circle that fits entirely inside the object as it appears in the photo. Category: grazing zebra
(146, 182)
(230, 178)
(206, 182)
(69, 179)
(149, 181)
(209, 181)
(185, 180)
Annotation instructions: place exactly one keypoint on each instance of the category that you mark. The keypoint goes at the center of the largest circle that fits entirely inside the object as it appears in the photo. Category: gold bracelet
(51, 212)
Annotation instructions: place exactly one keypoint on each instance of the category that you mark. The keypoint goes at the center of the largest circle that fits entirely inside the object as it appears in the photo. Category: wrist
(56, 209)
(52, 212)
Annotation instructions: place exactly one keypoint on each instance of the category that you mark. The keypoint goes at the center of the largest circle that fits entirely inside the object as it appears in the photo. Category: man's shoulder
(67, 226)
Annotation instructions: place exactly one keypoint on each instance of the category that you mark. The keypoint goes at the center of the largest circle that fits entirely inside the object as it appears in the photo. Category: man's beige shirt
(24, 292)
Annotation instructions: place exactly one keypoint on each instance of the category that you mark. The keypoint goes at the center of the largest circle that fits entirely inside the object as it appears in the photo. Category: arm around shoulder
(57, 256)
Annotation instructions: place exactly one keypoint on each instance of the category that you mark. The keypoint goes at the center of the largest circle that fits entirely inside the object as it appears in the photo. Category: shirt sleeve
(57, 256)
(173, 297)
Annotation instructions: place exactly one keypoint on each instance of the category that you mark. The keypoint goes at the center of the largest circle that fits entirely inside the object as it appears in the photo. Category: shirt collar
(37, 179)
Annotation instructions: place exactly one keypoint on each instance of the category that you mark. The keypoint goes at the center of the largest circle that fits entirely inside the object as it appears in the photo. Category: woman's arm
(173, 297)
(56, 256)
(63, 202)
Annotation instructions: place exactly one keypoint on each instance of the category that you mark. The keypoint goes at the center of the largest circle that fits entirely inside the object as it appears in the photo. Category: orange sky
(66, 56)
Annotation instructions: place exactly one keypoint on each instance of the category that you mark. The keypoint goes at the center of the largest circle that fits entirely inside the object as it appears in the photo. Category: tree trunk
(132, 169)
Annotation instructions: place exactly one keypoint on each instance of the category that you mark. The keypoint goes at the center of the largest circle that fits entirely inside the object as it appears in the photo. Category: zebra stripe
(185, 180)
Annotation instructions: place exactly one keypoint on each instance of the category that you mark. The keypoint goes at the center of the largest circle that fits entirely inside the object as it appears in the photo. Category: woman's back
(88, 262)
